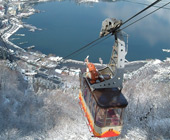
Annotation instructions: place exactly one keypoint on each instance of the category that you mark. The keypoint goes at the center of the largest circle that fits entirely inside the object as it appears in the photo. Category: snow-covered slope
(54, 114)
(148, 92)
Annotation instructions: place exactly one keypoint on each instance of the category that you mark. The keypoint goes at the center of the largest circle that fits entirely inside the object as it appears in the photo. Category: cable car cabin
(100, 90)
(103, 109)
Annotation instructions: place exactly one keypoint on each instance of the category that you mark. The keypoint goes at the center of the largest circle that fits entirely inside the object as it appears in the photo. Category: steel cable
(93, 45)
(145, 16)
(167, 8)
(82, 48)
(152, 4)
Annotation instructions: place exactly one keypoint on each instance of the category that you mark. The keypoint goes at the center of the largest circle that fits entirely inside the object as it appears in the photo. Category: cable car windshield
(108, 117)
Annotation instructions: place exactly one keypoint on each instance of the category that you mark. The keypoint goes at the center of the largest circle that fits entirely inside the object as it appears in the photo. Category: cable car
(100, 93)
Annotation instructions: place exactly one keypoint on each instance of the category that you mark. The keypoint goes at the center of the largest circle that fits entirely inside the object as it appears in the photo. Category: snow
(55, 58)
(157, 61)
(152, 63)
(74, 72)
(162, 74)
(58, 71)
(51, 65)
(53, 112)
(30, 73)
(148, 92)
(166, 50)
(167, 60)
(86, 1)
(136, 134)
(12, 51)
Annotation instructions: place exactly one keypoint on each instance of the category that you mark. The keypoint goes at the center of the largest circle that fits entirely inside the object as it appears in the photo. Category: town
(38, 64)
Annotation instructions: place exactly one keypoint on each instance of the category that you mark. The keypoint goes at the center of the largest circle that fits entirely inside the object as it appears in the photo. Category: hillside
(35, 108)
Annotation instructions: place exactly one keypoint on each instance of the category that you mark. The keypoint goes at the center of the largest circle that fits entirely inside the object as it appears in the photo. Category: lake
(69, 25)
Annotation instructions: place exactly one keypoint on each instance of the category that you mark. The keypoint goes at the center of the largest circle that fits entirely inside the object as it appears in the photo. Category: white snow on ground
(55, 114)
(79, 62)
(167, 60)
(55, 58)
(136, 134)
(88, 1)
(148, 92)
(148, 65)
(166, 50)
(58, 71)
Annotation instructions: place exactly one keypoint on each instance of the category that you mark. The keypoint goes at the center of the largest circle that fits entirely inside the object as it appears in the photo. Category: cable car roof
(110, 97)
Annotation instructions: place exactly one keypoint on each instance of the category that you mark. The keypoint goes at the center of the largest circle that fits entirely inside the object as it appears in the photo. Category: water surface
(67, 26)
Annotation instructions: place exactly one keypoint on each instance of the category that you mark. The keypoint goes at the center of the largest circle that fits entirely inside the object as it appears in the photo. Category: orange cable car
(101, 98)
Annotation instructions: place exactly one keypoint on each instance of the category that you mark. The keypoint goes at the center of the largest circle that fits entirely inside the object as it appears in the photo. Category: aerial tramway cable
(73, 53)
(81, 48)
(145, 16)
(109, 35)
(133, 23)
(142, 11)
(167, 8)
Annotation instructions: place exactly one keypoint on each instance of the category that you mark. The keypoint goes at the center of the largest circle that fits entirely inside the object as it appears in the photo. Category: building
(4, 23)
(12, 10)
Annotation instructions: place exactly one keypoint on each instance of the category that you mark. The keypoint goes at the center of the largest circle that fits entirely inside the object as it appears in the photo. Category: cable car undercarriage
(100, 90)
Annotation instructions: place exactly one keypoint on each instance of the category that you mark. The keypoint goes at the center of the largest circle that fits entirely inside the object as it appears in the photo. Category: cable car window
(113, 117)
(84, 87)
(100, 117)
(90, 100)
(93, 107)
(85, 93)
